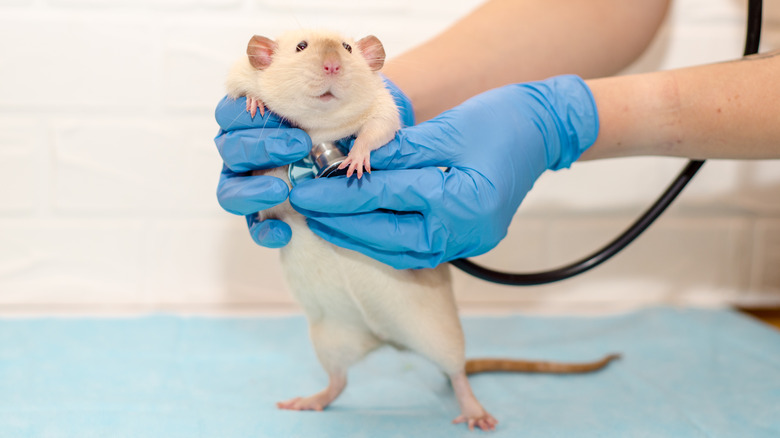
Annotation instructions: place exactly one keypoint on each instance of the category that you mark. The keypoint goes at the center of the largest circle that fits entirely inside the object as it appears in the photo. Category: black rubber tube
(752, 40)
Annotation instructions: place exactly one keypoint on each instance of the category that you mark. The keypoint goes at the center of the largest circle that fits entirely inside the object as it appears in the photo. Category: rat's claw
(488, 423)
(367, 163)
(349, 164)
(288, 404)
(252, 105)
(316, 402)
(485, 422)
(353, 165)
(357, 161)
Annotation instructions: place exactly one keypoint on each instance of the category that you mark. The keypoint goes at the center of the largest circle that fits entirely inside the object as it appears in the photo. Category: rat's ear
(259, 51)
(373, 51)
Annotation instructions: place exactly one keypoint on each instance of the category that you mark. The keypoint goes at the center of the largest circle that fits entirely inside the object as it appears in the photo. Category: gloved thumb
(415, 147)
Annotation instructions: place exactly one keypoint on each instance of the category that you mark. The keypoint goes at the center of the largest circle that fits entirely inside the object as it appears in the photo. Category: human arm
(509, 41)
(725, 110)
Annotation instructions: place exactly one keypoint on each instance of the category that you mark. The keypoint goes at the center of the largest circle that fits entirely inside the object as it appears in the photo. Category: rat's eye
(302, 45)
(347, 46)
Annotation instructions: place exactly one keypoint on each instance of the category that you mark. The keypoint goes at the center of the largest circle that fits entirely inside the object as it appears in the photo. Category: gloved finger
(423, 145)
(399, 190)
(231, 114)
(385, 230)
(398, 260)
(270, 233)
(251, 149)
(244, 194)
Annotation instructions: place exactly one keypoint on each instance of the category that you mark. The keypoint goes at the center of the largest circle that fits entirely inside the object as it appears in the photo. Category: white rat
(329, 86)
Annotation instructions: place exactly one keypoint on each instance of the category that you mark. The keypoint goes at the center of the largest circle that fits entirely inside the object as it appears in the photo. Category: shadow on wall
(728, 241)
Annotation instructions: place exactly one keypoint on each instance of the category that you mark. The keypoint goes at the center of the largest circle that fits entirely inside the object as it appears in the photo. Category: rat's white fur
(290, 86)
(353, 303)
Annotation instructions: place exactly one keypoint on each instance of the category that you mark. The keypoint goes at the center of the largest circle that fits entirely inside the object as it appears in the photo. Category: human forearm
(509, 41)
(726, 110)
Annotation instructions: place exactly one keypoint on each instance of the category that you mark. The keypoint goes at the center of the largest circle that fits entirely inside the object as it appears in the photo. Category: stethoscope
(324, 159)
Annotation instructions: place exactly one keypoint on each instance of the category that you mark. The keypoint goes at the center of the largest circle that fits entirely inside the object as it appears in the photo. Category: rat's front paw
(481, 420)
(252, 105)
(357, 160)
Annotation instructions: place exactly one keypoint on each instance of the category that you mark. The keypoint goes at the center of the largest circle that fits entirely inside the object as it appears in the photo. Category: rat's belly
(340, 285)
(325, 283)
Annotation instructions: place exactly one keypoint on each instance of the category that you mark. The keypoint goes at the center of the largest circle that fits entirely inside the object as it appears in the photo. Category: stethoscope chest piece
(323, 162)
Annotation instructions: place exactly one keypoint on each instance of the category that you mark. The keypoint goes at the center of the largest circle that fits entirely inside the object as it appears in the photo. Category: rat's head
(306, 73)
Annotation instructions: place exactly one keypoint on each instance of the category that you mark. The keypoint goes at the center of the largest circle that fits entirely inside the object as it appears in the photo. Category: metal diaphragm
(323, 162)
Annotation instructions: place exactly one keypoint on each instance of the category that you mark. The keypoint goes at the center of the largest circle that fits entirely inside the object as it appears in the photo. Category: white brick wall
(22, 150)
(108, 170)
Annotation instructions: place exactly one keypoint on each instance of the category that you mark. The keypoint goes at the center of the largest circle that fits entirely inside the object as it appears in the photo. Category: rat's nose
(331, 67)
(331, 64)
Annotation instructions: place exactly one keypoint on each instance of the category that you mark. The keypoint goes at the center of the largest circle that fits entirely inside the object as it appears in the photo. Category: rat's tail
(474, 366)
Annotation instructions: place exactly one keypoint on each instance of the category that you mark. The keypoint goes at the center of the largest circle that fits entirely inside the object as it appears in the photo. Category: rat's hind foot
(316, 402)
(482, 421)
(471, 412)
(320, 400)
(252, 105)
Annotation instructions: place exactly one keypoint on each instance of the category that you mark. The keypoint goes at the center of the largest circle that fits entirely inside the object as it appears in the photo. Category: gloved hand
(246, 144)
(495, 146)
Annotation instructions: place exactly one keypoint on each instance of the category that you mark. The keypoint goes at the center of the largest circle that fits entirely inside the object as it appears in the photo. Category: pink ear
(260, 50)
(373, 51)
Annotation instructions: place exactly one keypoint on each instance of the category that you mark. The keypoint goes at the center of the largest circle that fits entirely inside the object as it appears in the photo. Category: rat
(330, 87)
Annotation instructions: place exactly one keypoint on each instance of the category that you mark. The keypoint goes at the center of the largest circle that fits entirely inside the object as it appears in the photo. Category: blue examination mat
(684, 373)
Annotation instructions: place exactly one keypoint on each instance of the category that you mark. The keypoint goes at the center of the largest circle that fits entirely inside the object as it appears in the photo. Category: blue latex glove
(247, 144)
(495, 146)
